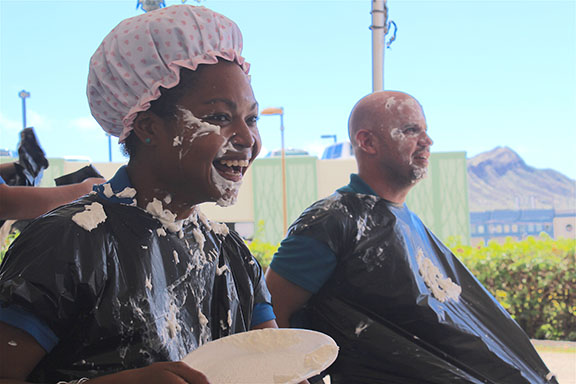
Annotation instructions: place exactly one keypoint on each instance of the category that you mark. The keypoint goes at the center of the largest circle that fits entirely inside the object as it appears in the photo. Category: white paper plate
(264, 356)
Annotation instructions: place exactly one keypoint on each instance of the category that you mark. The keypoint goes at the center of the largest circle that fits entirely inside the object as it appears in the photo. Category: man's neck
(392, 191)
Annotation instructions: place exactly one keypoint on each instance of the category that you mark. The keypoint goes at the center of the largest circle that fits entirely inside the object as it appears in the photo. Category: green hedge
(9, 239)
(535, 280)
(263, 251)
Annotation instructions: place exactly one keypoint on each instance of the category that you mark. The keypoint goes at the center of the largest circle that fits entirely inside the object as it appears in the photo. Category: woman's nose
(244, 136)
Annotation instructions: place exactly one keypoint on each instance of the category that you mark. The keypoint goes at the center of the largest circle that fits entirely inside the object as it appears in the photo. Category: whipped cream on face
(419, 173)
(92, 215)
(228, 189)
(200, 127)
(226, 147)
(397, 134)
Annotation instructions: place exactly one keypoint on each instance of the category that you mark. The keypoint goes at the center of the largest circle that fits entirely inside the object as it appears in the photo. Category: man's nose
(425, 140)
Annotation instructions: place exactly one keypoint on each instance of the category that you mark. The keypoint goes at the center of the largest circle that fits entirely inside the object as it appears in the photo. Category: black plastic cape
(391, 324)
(125, 294)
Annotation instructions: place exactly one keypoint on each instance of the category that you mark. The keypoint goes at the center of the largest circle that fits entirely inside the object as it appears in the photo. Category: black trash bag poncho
(31, 160)
(127, 292)
(403, 308)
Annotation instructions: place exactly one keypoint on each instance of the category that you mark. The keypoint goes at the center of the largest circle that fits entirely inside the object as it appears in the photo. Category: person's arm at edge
(21, 353)
(20, 203)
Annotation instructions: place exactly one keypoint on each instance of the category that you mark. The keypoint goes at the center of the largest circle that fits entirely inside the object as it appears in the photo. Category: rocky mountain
(500, 179)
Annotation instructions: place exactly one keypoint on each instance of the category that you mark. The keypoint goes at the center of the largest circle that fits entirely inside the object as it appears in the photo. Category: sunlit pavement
(560, 357)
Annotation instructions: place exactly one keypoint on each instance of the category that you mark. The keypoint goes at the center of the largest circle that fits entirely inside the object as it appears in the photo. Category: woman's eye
(219, 118)
(252, 120)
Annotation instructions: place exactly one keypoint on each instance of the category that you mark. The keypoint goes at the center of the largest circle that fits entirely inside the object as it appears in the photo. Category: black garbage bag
(78, 176)
(127, 293)
(31, 159)
(403, 308)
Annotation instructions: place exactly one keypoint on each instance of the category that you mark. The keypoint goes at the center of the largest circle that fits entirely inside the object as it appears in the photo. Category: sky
(488, 73)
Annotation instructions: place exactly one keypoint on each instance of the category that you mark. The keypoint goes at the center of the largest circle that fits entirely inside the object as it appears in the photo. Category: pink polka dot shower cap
(146, 52)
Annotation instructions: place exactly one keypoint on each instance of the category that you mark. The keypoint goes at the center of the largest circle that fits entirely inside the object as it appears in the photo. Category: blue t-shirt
(2, 180)
(307, 262)
(24, 320)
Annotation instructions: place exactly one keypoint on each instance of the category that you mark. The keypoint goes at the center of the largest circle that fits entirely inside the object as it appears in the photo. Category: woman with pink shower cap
(119, 285)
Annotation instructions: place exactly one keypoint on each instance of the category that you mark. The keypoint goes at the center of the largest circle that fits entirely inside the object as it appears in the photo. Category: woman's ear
(148, 127)
(366, 141)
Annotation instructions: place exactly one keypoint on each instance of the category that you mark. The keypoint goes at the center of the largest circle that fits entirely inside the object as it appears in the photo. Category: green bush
(263, 251)
(9, 239)
(535, 280)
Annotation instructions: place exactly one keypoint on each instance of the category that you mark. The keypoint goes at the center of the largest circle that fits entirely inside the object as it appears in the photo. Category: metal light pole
(379, 27)
(109, 147)
(280, 111)
(150, 5)
(329, 137)
(23, 95)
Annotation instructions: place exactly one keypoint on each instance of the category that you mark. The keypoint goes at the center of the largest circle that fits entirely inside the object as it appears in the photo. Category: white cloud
(316, 148)
(8, 126)
(39, 122)
(85, 124)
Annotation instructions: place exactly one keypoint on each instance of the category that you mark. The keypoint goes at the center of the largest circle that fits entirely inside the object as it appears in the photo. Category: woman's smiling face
(205, 151)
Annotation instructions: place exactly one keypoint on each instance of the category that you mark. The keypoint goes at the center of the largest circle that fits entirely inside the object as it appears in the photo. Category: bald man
(361, 267)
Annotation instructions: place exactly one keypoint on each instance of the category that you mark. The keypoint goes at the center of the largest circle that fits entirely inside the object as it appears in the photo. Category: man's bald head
(381, 111)
(389, 133)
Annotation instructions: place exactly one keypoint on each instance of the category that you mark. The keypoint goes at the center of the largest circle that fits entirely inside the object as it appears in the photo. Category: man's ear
(148, 127)
(366, 141)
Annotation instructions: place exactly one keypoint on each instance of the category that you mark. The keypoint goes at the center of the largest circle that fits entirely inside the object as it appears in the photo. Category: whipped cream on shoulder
(92, 215)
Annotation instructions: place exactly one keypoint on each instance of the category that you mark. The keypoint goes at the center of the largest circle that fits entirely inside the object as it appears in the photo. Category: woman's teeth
(235, 163)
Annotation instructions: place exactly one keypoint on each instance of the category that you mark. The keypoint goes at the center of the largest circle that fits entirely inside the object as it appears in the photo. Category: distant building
(518, 224)
(259, 211)
(565, 225)
(342, 150)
